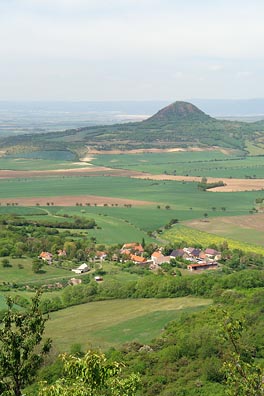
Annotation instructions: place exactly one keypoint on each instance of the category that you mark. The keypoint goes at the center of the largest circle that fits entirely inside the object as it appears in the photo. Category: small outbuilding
(81, 269)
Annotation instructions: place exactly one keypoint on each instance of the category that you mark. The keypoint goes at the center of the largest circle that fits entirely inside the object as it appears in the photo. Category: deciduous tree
(91, 375)
(20, 351)
(243, 375)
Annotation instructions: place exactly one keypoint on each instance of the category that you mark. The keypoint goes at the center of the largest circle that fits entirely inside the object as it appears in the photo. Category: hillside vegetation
(180, 124)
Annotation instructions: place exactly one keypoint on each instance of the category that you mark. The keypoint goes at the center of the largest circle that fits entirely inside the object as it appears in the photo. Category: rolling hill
(180, 124)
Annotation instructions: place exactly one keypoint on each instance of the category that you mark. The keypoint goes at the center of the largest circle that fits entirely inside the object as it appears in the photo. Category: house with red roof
(158, 258)
(46, 256)
(133, 247)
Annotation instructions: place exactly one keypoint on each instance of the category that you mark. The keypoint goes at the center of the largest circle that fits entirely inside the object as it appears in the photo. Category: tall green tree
(37, 264)
(21, 349)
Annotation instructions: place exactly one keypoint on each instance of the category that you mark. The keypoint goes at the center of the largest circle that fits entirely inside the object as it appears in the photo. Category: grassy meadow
(21, 272)
(110, 323)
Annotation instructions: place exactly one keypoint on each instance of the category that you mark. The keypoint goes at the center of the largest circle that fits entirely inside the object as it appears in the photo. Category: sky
(131, 49)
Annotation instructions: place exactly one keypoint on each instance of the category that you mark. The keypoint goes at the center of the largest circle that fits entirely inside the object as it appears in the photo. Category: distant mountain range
(180, 124)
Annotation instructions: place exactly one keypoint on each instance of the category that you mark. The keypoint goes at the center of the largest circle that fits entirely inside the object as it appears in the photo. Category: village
(193, 259)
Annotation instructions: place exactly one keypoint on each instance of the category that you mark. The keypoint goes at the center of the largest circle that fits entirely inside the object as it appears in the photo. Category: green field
(109, 229)
(138, 219)
(205, 163)
(15, 274)
(50, 155)
(182, 195)
(120, 224)
(22, 210)
(111, 323)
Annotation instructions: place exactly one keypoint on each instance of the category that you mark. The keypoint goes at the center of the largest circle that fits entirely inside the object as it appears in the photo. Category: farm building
(159, 258)
(100, 256)
(46, 256)
(202, 266)
(81, 269)
(132, 247)
(61, 253)
(212, 253)
(138, 259)
(74, 281)
(178, 253)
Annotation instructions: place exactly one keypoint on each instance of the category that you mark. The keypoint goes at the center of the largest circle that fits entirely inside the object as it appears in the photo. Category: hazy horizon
(214, 107)
(18, 117)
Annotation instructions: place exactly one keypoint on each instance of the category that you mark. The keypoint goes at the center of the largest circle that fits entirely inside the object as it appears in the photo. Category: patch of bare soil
(255, 221)
(231, 185)
(250, 222)
(87, 158)
(72, 200)
(150, 150)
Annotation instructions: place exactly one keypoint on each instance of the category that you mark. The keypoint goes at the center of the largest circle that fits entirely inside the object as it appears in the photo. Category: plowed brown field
(231, 185)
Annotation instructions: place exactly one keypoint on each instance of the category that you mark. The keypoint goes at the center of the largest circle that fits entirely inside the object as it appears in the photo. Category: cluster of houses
(197, 259)
(48, 257)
